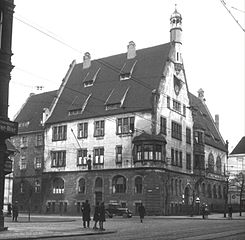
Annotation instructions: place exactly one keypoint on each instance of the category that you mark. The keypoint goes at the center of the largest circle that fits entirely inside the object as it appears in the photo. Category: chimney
(216, 117)
(131, 50)
(86, 60)
(45, 116)
(201, 95)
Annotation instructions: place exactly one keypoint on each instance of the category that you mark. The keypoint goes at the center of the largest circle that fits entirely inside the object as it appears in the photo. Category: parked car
(118, 210)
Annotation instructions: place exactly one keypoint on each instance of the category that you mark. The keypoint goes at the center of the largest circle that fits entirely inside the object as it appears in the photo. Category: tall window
(176, 157)
(203, 189)
(176, 187)
(158, 152)
(180, 158)
(198, 136)
(82, 130)
(148, 152)
(119, 184)
(172, 156)
(99, 128)
(37, 162)
(99, 156)
(163, 125)
(58, 159)
(82, 156)
(59, 133)
(118, 154)
(176, 131)
(37, 186)
(184, 110)
(168, 102)
(58, 186)
(125, 125)
(139, 152)
(1, 28)
(81, 185)
(23, 162)
(24, 141)
(188, 135)
(209, 191)
(188, 161)
(211, 163)
(138, 185)
(39, 140)
(218, 165)
(176, 106)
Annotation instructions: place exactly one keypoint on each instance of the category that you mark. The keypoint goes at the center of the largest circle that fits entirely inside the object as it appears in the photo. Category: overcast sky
(213, 46)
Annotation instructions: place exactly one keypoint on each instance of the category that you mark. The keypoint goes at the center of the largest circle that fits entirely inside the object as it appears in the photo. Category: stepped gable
(240, 147)
(129, 95)
(203, 120)
(31, 114)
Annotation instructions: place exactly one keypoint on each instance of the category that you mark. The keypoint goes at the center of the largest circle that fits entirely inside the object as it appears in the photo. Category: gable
(240, 147)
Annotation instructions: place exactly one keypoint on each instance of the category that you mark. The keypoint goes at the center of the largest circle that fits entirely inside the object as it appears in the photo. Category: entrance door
(98, 197)
(98, 190)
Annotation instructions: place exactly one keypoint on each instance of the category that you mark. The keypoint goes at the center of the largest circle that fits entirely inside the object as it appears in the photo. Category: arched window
(218, 165)
(214, 191)
(172, 186)
(58, 186)
(209, 190)
(180, 187)
(176, 187)
(203, 189)
(138, 185)
(219, 192)
(211, 163)
(98, 183)
(81, 185)
(119, 184)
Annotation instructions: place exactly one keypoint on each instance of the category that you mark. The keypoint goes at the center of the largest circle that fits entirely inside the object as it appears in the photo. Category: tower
(176, 34)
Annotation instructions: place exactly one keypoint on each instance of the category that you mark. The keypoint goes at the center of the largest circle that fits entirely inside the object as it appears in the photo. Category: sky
(49, 34)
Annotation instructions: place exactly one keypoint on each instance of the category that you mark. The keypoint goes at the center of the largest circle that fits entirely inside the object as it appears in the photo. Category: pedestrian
(102, 216)
(96, 215)
(141, 211)
(86, 214)
(9, 209)
(230, 212)
(15, 211)
(203, 210)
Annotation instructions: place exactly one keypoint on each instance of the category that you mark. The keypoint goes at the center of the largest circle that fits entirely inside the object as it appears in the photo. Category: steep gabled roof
(240, 147)
(204, 121)
(129, 95)
(30, 116)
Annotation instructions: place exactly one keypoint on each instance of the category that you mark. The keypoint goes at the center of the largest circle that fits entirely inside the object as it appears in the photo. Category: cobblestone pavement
(43, 226)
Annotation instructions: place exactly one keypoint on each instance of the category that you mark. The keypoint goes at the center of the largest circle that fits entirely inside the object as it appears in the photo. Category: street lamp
(198, 205)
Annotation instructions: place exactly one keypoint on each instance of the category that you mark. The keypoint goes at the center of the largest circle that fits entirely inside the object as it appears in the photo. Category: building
(29, 161)
(7, 128)
(126, 129)
(236, 165)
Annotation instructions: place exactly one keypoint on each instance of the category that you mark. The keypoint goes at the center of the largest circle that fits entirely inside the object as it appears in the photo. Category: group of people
(99, 215)
(14, 210)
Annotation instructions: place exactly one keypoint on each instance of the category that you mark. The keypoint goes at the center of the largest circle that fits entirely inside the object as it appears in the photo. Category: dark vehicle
(117, 210)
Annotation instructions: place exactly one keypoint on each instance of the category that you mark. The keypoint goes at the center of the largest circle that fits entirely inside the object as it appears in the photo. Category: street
(159, 228)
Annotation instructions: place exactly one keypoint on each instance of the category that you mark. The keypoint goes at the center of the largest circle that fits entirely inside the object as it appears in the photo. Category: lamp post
(198, 205)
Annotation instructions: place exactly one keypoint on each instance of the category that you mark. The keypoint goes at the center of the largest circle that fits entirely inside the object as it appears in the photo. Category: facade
(126, 129)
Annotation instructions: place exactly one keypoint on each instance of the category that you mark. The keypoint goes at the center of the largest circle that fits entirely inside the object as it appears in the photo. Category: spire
(175, 26)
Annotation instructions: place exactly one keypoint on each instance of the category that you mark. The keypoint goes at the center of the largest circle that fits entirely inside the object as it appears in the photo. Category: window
(163, 125)
(58, 159)
(168, 101)
(99, 128)
(125, 125)
(139, 152)
(24, 142)
(210, 163)
(188, 135)
(218, 165)
(219, 192)
(59, 133)
(176, 187)
(209, 191)
(180, 158)
(148, 152)
(37, 162)
(176, 131)
(198, 136)
(99, 156)
(138, 185)
(37, 186)
(188, 161)
(23, 162)
(172, 156)
(203, 189)
(21, 187)
(184, 110)
(39, 140)
(180, 187)
(82, 130)
(81, 185)
(119, 184)
(1, 28)
(214, 191)
(58, 186)
(118, 154)
(176, 158)
(176, 106)
(158, 152)
(82, 156)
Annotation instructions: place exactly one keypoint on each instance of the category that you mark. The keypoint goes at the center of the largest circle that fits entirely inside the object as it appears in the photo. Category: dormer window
(90, 78)
(127, 69)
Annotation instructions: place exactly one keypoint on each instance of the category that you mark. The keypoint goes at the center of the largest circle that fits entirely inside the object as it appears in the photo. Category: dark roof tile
(240, 147)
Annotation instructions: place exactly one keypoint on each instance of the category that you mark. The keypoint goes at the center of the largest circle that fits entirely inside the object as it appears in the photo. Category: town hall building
(125, 129)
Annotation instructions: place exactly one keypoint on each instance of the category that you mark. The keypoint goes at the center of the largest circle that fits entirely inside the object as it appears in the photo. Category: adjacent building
(126, 129)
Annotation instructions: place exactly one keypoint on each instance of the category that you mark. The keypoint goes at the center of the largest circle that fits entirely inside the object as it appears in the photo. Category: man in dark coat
(141, 210)
(15, 210)
(86, 214)
(96, 215)
(101, 216)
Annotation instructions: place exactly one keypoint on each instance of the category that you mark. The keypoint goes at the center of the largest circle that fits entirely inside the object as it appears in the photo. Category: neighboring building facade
(126, 129)
(28, 162)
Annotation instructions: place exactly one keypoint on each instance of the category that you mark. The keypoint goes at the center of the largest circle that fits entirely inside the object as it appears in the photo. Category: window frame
(99, 128)
(59, 133)
(119, 154)
(125, 125)
(163, 125)
(100, 155)
(82, 130)
(60, 158)
(176, 131)
(83, 154)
